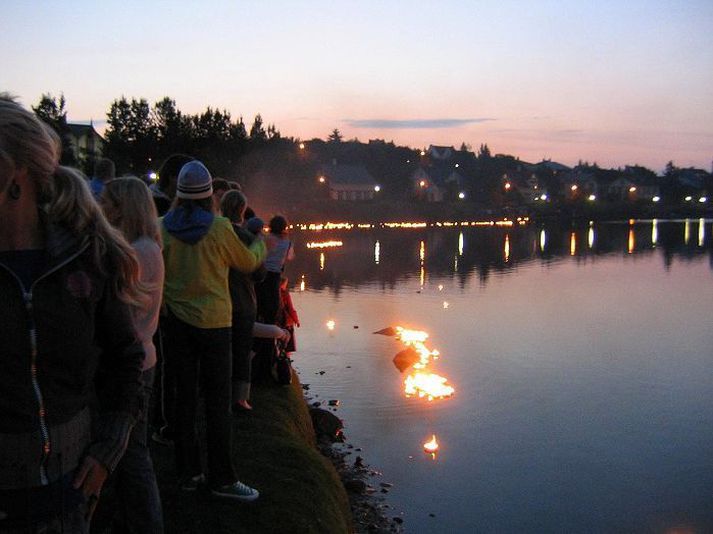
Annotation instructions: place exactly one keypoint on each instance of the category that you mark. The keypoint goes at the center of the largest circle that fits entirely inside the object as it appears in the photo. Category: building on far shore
(85, 143)
(348, 182)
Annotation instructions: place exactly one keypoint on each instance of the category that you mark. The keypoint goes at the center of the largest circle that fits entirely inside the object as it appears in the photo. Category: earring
(14, 191)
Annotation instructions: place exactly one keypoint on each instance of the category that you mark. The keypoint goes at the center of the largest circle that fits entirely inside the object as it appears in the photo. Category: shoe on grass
(192, 483)
(236, 491)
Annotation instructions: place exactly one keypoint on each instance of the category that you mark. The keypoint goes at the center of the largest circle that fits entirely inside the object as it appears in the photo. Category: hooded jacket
(198, 251)
(61, 339)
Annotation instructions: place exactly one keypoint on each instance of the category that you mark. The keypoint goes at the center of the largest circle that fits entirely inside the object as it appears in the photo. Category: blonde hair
(233, 205)
(27, 142)
(63, 196)
(131, 200)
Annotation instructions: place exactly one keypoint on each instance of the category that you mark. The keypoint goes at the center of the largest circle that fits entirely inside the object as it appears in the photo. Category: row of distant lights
(447, 224)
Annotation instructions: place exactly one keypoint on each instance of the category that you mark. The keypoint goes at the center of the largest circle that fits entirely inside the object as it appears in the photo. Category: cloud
(412, 123)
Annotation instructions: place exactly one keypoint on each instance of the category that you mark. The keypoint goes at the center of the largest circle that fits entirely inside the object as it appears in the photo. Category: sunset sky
(607, 81)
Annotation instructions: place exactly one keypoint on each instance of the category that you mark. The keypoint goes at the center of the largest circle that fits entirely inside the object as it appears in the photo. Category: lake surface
(582, 361)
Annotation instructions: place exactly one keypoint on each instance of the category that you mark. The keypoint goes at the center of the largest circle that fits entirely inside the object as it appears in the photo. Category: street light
(322, 179)
(507, 186)
(302, 146)
(461, 195)
(689, 198)
(656, 199)
(422, 183)
(377, 188)
(592, 198)
(632, 189)
(574, 187)
(703, 199)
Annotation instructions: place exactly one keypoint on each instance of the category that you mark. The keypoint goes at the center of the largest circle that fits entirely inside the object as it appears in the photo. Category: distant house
(85, 142)
(437, 182)
(441, 153)
(348, 182)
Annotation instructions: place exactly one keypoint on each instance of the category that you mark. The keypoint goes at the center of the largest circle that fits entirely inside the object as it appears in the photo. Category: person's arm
(238, 256)
(117, 381)
(270, 331)
(290, 309)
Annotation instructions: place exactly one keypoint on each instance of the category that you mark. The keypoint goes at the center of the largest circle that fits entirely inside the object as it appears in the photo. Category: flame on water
(324, 244)
(420, 382)
(431, 446)
(331, 324)
(427, 385)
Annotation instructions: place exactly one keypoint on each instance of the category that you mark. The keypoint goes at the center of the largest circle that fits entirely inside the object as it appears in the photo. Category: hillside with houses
(334, 177)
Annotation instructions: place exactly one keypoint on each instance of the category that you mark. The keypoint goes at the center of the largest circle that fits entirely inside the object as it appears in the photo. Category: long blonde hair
(63, 196)
(131, 200)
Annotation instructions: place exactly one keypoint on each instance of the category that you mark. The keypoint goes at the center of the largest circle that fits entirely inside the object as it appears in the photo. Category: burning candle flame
(431, 446)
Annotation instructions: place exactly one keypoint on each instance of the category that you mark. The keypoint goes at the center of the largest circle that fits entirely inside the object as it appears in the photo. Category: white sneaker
(236, 491)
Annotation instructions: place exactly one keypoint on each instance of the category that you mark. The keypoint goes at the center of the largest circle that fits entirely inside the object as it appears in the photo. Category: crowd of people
(123, 304)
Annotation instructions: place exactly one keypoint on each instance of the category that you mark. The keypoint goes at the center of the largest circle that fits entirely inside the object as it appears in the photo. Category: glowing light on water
(427, 385)
(590, 237)
(440, 287)
(572, 244)
(431, 446)
(632, 241)
(377, 252)
(331, 324)
(701, 232)
(687, 231)
(445, 305)
(422, 257)
(324, 244)
(507, 248)
(460, 244)
(543, 240)
(302, 283)
(654, 231)
(321, 261)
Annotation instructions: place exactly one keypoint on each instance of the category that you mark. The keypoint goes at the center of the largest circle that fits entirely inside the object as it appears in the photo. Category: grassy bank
(274, 452)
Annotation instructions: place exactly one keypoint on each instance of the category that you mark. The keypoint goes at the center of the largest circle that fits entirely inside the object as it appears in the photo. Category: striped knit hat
(194, 181)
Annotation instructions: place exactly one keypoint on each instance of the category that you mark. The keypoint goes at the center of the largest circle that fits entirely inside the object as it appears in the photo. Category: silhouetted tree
(257, 132)
(52, 111)
(335, 136)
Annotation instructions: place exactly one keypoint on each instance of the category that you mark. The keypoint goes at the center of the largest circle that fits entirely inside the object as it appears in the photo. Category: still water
(581, 357)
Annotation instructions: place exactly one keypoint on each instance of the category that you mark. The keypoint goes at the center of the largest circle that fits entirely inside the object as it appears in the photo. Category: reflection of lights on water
(422, 276)
(701, 232)
(302, 283)
(324, 244)
(318, 227)
(377, 252)
(632, 241)
(507, 248)
(422, 251)
(460, 244)
(543, 240)
(572, 244)
(687, 231)
(321, 261)
(455, 264)
(440, 287)
(590, 237)
(331, 324)
(654, 231)
(431, 446)
(445, 305)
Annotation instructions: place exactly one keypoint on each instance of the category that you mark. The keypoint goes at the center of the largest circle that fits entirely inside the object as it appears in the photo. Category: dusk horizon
(611, 84)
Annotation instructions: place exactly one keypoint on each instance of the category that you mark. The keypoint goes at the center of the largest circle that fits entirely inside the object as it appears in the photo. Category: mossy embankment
(274, 451)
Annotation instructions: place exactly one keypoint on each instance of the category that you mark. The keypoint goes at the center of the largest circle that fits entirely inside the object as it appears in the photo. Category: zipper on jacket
(27, 297)
(44, 432)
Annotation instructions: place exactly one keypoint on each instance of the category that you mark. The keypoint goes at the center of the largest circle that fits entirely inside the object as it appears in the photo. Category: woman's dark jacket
(60, 340)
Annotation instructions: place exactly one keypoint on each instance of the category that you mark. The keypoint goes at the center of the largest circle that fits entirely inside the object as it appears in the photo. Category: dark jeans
(164, 405)
(138, 500)
(202, 355)
(242, 346)
(268, 298)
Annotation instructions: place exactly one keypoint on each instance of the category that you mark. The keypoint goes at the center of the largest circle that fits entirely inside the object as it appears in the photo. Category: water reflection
(385, 256)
